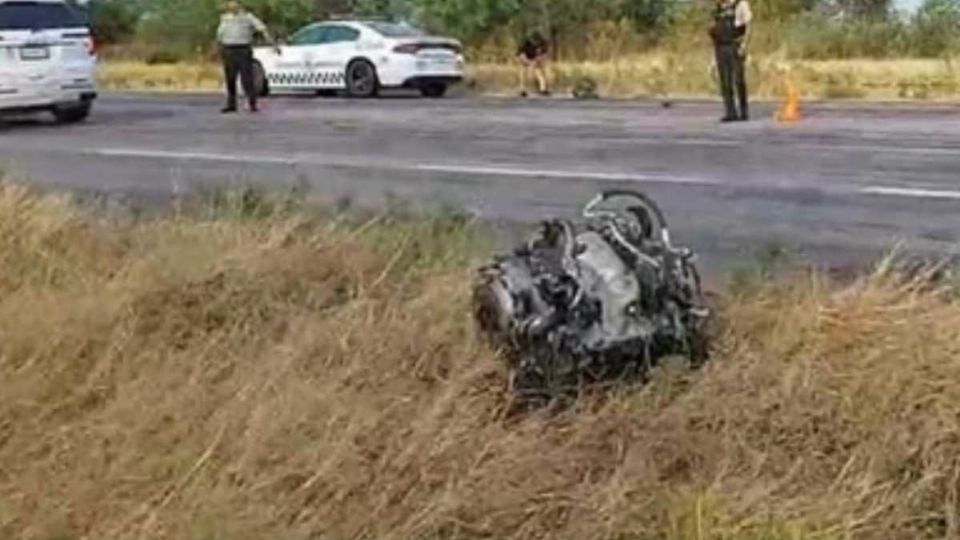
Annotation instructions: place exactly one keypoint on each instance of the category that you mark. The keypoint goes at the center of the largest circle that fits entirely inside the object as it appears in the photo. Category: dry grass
(649, 75)
(286, 376)
(674, 75)
(175, 77)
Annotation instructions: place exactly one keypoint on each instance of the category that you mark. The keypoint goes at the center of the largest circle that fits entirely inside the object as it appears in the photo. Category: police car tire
(72, 114)
(374, 86)
(261, 86)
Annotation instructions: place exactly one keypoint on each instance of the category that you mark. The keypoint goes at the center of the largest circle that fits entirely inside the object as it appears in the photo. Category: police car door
(340, 45)
(295, 67)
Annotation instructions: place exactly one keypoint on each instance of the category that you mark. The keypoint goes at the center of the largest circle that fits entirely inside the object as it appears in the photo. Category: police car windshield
(394, 30)
(38, 16)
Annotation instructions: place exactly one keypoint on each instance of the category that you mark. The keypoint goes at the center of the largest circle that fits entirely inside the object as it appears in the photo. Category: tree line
(818, 28)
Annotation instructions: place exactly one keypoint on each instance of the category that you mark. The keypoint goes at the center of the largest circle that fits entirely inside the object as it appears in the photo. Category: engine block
(601, 301)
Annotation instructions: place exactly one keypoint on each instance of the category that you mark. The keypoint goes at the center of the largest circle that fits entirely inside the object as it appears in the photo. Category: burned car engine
(602, 301)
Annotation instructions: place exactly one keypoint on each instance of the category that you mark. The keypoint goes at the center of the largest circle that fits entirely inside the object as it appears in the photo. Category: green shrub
(113, 21)
(816, 37)
(935, 27)
(163, 56)
(576, 29)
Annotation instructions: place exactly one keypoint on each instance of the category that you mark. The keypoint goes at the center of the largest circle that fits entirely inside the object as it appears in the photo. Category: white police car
(360, 56)
(47, 59)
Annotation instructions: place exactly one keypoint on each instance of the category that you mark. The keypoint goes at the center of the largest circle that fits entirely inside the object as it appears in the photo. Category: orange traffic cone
(790, 110)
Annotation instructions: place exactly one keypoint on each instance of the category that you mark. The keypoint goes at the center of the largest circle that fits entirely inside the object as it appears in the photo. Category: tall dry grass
(658, 74)
(138, 75)
(252, 373)
(685, 75)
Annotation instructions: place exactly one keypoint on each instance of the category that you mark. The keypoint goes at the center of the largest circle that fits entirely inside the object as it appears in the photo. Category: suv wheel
(72, 114)
(433, 90)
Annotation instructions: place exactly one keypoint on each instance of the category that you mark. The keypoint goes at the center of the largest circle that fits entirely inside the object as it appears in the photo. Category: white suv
(47, 59)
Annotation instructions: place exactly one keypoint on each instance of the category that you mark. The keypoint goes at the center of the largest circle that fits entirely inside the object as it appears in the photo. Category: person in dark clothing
(730, 33)
(532, 54)
(235, 37)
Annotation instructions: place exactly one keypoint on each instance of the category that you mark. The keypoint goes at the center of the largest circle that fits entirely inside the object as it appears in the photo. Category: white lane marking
(910, 192)
(876, 149)
(680, 140)
(496, 171)
(196, 156)
(548, 173)
(439, 168)
(787, 144)
(776, 144)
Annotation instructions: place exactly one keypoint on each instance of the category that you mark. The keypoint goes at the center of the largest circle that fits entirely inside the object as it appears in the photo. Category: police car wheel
(362, 79)
(260, 84)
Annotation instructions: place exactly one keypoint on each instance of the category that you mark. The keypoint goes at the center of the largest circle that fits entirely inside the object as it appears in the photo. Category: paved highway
(840, 186)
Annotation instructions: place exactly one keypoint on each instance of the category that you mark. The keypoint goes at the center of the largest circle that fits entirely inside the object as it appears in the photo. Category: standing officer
(235, 37)
(730, 33)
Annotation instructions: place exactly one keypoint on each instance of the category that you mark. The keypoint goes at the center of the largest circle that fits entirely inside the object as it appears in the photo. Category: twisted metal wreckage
(595, 302)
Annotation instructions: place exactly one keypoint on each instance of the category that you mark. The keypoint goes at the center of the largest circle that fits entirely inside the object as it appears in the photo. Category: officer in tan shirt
(235, 36)
(730, 33)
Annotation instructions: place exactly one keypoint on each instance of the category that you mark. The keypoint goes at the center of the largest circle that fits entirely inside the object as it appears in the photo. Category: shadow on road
(104, 117)
(22, 122)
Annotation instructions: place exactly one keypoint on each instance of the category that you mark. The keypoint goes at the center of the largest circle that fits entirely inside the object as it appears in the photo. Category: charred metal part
(594, 302)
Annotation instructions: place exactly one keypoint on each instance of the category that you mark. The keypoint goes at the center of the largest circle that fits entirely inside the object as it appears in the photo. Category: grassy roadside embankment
(246, 369)
(656, 75)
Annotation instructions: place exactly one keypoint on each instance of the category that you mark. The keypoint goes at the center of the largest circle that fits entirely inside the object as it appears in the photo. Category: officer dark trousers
(733, 84)
(238, 60)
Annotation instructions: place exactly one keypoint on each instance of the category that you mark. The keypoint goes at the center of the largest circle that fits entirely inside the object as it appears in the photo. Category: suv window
(25, 15)
(340, 34)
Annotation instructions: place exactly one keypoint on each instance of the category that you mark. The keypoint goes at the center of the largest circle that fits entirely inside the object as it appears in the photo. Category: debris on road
(585, 88)
(597, 302)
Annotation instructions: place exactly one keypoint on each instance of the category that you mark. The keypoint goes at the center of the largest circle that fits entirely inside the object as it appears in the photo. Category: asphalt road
(840, 186)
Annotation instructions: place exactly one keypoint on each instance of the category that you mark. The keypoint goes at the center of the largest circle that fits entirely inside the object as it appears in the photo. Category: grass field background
(654, 75)
(246, 367)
